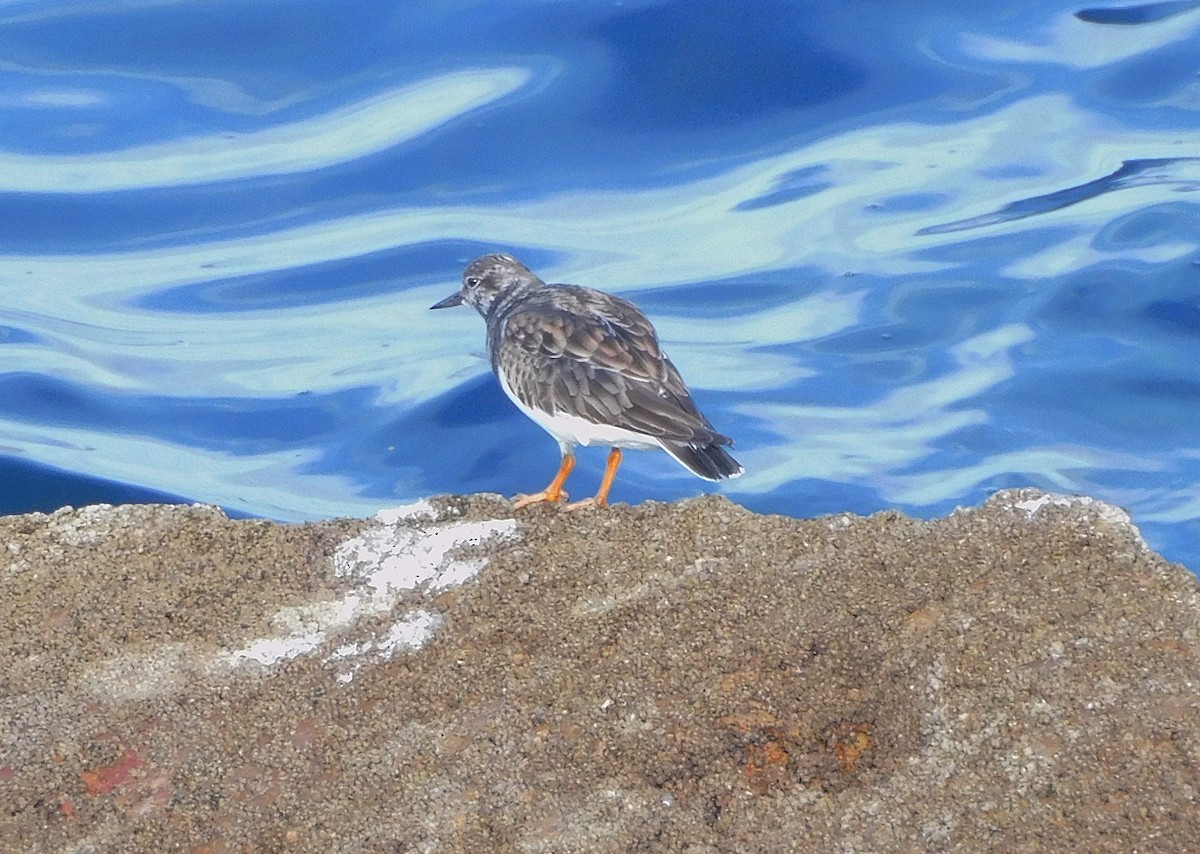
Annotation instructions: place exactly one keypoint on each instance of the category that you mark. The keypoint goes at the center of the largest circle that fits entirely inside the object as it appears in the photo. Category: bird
(588, 368)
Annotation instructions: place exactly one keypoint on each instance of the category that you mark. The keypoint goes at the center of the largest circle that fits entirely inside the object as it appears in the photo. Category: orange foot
(538, 497)
(554, 492)
(594, 501)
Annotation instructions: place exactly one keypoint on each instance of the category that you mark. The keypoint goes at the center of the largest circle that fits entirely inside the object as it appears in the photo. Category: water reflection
(902, 259)
(1179, 173)
(345, 132)
(1137, 14)
(878, 440)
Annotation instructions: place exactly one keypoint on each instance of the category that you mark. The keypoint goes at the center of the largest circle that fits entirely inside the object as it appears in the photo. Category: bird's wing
(598, 357)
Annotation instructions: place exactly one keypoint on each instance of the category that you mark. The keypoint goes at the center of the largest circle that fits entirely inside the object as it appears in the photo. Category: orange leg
(610, 474)
(553, 492)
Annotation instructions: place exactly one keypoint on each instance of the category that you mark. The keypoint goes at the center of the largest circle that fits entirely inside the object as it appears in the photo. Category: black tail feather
(711, 462)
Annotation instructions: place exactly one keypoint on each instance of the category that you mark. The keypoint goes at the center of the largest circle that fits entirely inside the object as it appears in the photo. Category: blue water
(906, 254)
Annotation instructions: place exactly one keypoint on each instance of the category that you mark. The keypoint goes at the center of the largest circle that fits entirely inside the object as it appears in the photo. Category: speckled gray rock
(1024, 676)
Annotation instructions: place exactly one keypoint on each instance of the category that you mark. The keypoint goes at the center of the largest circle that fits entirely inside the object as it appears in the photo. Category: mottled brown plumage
(587, 366)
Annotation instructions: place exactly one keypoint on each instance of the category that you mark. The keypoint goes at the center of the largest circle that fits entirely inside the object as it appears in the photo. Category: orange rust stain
(850, 742)
(773, 753)
(104, 779)
(765, 765)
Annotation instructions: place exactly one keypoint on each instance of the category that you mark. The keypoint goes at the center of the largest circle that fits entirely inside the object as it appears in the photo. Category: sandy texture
(693, 677)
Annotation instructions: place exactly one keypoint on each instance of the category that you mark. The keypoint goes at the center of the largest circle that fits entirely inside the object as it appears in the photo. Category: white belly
(571, 430)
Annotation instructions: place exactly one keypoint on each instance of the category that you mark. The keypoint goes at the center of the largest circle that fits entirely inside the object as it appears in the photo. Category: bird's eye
(472, 281)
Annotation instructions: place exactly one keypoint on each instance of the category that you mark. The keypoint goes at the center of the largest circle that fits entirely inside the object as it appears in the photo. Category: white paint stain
(407, 551)
(406, 635)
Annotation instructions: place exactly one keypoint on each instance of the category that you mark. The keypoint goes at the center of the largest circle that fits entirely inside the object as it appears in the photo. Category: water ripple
(903, 258)
(348, 132)
(1180, 173)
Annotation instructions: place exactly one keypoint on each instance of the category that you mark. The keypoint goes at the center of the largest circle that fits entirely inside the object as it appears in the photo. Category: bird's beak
(450, 301)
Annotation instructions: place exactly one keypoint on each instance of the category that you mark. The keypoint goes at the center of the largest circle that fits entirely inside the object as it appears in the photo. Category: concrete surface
(1024, 676)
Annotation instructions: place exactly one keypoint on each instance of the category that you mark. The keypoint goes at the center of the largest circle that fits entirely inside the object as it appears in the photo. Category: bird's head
(490, 279)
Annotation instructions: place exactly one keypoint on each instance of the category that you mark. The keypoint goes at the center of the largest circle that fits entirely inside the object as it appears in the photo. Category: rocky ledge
(1024, 676)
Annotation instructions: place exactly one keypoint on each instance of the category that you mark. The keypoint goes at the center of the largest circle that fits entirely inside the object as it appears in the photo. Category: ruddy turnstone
(588, 368)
